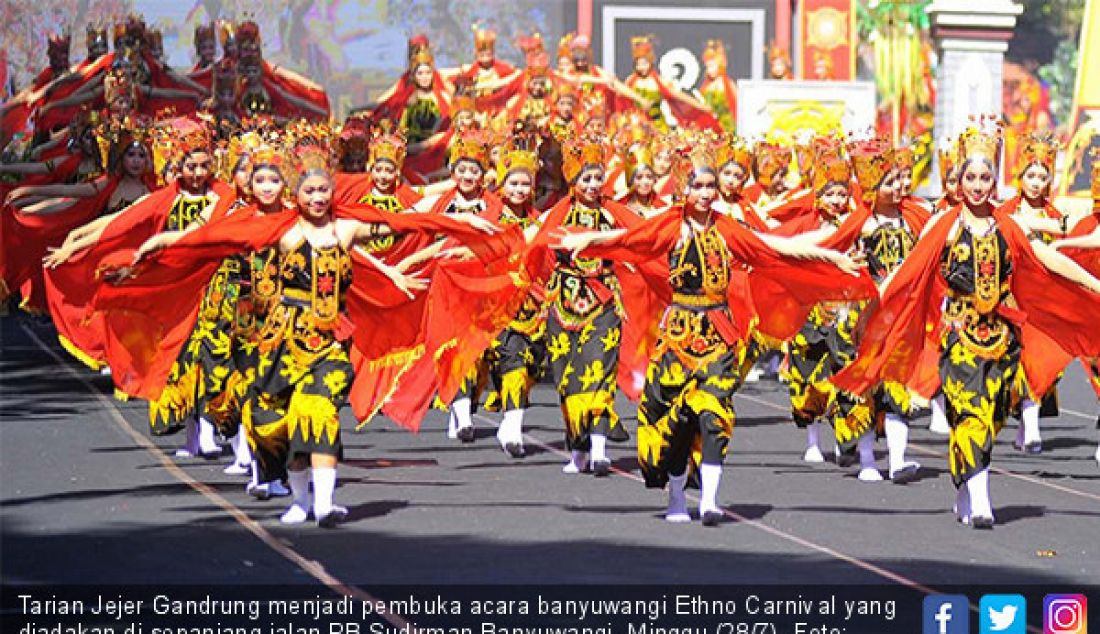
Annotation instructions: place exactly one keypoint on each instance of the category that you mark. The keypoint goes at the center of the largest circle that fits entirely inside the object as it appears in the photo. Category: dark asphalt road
(87, 496)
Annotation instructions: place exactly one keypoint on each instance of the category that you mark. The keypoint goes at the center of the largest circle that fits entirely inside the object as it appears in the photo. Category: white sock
(207, 443)
(677, 501)
(962, 504)
(939, 416)
(241, 451)
(866, 448)
(813, 435)
(299, 504)
(897, 438)
(511, 428)
(978, 488)
(1029, 417)
(868, 470)
(461, 409)
(191, 438)
(710, 476)
(576, 462)
(599, 447)
(324, 487)
(452, 424)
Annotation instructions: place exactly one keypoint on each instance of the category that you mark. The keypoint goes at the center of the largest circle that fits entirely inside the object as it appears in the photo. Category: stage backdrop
(355, 48)
(681, 30)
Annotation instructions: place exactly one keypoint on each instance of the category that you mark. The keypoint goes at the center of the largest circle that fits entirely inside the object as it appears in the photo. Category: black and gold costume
(184, 394)
(981, 348)
(303, 375)
(583, 332)
(420, 119)
(687, 403)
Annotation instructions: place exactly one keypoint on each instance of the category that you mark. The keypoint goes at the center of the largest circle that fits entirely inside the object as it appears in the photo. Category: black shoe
(601, 468)
(905, 474)
(514, 449)
(618, 433)
(845, 460)
(1033, 448)
(466, 434)
(712, 518)
(979, 522)
(334, 517)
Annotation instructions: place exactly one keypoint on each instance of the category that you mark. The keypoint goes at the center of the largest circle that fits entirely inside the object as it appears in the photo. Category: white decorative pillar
(971, 39)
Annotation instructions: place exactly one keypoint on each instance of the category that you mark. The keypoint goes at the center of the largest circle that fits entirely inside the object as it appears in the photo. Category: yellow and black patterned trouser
(199, 373)
(515, 364)
(293, 407)
(686, 417)
(585, 365)
(977, 393)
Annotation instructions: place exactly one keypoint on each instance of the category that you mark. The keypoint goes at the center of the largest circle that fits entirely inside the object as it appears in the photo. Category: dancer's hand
(149, 247)
(477, 222)
(573, 241)
(57, 256)
(851, 263)
(462, 254)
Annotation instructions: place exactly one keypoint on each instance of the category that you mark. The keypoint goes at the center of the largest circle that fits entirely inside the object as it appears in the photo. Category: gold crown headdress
(641, 47)
(1038, 148)
(830, 166)
(227, 33)
(239, 146)
(715, 50)
(732, 149)
(154, 39)
(469, 145)
(949, 156)
(96, 34)
(388, 145)
(115, 137)
(248, 40)
(463, 102)
(353, 139)
(695, 154)
(58, 43)
(420, 52)
(309, 159)
(117, 82)
(580, 152)
(776, 52)
(485, 39)
(769, 159)
(132, 29)
(905, 157)
(204, 33)
(982, 140)
(872, 160)
(519, 153)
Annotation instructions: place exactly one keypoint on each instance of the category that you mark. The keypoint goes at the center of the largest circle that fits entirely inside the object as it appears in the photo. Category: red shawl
(148, 332)
(71, 286)
(686, 113)
(778, 292)
(494, 102)
(729, 91)
(394, 105)
(1056, 319)
(1012, 205)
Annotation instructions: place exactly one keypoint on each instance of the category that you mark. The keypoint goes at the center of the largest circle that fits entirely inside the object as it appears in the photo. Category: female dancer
(693, 372)
(981, 262)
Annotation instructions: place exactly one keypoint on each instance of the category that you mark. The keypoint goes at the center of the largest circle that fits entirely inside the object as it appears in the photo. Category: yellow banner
(1085, 116)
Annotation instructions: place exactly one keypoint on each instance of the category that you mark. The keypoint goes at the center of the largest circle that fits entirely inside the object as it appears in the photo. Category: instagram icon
(1065, 614)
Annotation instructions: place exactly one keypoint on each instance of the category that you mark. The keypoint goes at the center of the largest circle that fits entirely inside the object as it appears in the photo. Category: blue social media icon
(946, 614)
(1002, 614)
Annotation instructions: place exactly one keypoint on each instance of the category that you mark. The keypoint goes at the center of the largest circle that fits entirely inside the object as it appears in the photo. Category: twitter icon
(1002, 614)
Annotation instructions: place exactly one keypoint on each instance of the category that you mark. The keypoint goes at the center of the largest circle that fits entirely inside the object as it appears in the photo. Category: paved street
(88, 496)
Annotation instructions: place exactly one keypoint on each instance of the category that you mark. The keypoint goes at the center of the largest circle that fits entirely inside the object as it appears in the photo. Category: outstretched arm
(794, 248)
(1062, 265)
(1087, 241)
(76, 190)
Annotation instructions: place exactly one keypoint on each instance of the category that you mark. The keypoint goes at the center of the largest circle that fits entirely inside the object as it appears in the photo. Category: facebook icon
(946, 614)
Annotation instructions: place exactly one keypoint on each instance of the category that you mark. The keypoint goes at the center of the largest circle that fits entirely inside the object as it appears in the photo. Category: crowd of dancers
(221, 248)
